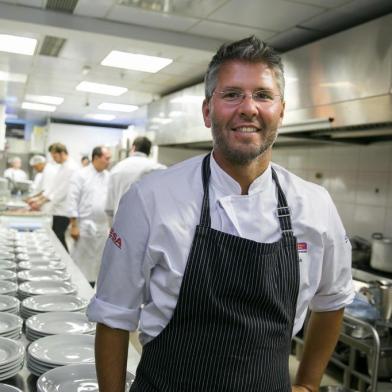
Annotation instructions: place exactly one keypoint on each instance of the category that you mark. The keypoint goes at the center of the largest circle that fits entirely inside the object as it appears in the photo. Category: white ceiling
(188, 31)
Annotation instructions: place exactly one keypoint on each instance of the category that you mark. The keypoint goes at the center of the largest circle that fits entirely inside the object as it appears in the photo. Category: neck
(247, 173)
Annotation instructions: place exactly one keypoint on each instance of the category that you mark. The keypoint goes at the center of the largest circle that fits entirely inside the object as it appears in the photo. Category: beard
(245, 153)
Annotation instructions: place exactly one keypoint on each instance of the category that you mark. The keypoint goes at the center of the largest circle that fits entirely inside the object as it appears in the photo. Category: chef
(14, 173)
(217, 259)
(86, 210)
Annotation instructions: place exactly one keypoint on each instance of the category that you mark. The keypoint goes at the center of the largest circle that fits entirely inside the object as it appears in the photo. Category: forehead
(246, 75)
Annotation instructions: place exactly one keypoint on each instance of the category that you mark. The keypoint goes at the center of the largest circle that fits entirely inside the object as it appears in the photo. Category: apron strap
(205, 218)
(283, 210)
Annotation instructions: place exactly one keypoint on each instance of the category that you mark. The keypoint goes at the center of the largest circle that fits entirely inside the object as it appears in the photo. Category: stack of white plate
(8, 388)
(43, 276)
(49, 265)
(52, 303)
(9, 304)
(8, 275)
(73, 378)
(54, 323)
(58, 350)
(7, 265)
(8, 288)
(28, 289)
(10, 326)
(11, 358)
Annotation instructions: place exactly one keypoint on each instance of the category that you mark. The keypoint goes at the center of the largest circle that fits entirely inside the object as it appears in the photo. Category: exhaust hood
(338, 90)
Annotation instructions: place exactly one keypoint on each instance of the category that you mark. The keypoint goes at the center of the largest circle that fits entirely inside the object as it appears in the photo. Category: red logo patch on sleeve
(116, 239)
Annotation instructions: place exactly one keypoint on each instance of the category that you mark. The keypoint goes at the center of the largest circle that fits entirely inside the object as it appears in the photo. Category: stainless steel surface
(335, 388)
(386, 302)
(381, 253)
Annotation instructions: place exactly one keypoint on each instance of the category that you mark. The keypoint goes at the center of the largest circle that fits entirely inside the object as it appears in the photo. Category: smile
(246, 129)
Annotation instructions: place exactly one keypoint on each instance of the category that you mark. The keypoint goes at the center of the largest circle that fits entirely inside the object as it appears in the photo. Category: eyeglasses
(235, 97)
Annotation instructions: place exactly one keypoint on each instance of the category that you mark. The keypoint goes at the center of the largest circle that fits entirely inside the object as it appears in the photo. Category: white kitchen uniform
(58, 188)
(15, 174)
(86, 202)
(124, 174)
(43, 180)
(145, 257)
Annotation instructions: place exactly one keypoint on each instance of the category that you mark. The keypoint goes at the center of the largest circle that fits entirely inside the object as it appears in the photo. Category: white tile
(320, 158)
(297, 158)
(228, 32)
(260, 14)
(342, 185)
(151, 19)
(346, 212)
(368, 220)
(388, 223)
(375, 157)
(372, 188)
(344, 157)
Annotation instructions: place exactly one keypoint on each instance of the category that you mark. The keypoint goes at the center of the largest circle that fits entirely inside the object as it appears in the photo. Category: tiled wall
(359, 179)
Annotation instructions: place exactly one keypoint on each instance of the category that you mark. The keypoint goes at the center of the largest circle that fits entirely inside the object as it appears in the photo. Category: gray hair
(36, 159)
(12, 160)
(250, 49)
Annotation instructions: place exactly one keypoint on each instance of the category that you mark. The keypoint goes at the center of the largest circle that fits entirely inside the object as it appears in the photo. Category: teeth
(247, 129)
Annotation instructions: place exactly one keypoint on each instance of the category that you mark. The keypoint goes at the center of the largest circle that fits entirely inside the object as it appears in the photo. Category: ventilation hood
(338, 90)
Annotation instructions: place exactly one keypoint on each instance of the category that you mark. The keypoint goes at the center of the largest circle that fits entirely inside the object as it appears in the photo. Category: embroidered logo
(302, 247)
(116, 239)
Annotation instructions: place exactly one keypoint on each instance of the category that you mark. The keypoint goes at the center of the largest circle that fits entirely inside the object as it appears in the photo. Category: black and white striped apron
(231, 328)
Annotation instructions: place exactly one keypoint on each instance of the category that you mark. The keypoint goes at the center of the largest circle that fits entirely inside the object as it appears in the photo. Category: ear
(206, 113)
(282, 113)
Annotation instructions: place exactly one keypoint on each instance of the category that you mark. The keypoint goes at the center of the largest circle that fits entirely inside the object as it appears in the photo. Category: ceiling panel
(227, 31)
(262, 15)
(151, 19)
(32, 3)
(99, 10)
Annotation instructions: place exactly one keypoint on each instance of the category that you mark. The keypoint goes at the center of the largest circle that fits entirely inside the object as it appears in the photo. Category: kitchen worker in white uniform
(57, 192)
(14, 173)
(217, 259)
(128, 171)
(86, 210)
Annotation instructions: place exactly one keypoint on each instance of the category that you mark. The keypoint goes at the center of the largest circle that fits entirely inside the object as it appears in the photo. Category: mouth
(246, 129)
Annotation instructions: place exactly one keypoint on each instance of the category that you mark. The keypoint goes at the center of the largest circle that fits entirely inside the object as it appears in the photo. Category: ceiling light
(101, 117)
(99, 88)
(45, 99)
(188, 99)
(13, 77)
(160, 120)
(337, 84)
(15, 44)
(38, 106)
(117, 107)
(135, 62)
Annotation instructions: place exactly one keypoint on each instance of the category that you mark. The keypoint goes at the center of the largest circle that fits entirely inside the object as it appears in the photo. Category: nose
(248, 107)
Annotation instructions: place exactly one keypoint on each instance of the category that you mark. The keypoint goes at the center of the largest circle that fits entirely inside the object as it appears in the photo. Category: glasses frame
(243, 95)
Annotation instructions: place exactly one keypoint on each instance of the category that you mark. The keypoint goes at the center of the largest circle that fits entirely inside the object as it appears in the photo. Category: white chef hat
(37, 159)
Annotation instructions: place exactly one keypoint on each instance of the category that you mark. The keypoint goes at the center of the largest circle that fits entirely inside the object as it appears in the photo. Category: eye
(263, 95)
(231, 95)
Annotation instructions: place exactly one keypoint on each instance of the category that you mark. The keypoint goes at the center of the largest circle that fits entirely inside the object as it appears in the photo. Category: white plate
(61, 350)
(60, 323)
(9, 388)
(73, 378)
(7, 287)
(7, 265)
(10, 351)
(8, 303)
(53, 303)
(43, 275)
(10, 323)
(7, 275)
(11, 373)
(37, 288)
(42, 265)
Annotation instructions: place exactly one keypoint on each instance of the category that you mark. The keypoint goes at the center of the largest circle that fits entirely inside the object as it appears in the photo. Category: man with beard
(217, 259)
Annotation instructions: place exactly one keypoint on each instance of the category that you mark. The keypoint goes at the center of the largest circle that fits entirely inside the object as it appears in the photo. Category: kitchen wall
(359, 179)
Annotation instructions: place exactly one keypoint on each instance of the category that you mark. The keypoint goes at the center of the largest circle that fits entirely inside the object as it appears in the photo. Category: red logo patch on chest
(302, 247)
(116, 239)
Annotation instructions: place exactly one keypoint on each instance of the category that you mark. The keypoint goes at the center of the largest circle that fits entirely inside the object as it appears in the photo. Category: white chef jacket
(43, 180)
(86, 202)
(145, 257)
(15, 174)
(124, 174)
(58, 189)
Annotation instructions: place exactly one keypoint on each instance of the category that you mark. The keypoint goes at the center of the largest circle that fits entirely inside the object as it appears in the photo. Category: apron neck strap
(283, 210)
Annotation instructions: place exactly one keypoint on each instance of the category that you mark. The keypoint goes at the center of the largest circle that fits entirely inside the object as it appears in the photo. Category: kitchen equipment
(361, 251)
(379, 293)
(384, 364)
(381, 258)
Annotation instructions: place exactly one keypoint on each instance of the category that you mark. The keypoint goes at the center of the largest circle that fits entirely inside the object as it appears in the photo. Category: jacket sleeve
(73, 196)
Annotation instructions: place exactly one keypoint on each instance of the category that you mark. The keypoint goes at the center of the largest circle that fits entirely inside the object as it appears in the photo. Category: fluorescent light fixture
(337, 84)
(99, 88)
(46, 99)
(176, 113)
(13, 77)
(135, 62)
(15, 44)
(117, 107)
(290, 79)
(160, 120)
(11, 116)
(101, 117)
(38, 106)
(188, 99)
